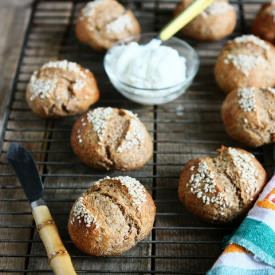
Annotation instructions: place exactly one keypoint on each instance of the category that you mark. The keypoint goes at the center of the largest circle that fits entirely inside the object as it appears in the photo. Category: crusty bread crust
(249, 116)
(245, 64)
(101, 24)
(61, 88)
(221, 189)
(264, 22)
(111, 217)
(209, 26)
(111, 138)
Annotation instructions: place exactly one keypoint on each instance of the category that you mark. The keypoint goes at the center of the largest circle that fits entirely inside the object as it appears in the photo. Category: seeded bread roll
(215, 23)
(111, 138)
(61, 88)
(111, 217)
(222, 188)
(102, 23)
(249, 115)
(246, 61)
(264, 23)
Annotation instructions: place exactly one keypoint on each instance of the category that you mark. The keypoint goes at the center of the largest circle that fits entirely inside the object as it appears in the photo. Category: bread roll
(222, 188)
(111, 217)
(102, 23)
(111, 138)
(61, 88)
(249, 115)
(215, 23)
(246, 61)
(264, 23)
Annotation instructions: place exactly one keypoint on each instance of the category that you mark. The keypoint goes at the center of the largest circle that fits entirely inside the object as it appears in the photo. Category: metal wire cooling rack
(186, 128)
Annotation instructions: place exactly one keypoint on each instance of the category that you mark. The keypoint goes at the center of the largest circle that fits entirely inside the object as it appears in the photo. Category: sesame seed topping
(80, 212)
(202, 184)
(252, 39)
(89, 8)
(120, 24)
(65, 65)
(133, 137)
(41, 87)
(247, 100)
(244, 62)
(217, 8)
(78, 85)
(98, 118)
(248, 172)
(135, 189)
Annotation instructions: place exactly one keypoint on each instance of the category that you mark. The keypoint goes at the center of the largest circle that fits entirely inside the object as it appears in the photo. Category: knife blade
(27, 173)
(25, 169)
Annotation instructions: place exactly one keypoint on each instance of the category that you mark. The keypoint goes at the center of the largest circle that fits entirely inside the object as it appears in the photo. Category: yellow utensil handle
(184, 18)
(59, 258)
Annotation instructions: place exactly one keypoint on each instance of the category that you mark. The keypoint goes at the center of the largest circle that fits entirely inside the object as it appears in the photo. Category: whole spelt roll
(61, 88)
(111, 138)
(264, 22)
(222, 188)
(111, 217)
(249, 115)
(102, 23)
(215, 23)
(246, 61)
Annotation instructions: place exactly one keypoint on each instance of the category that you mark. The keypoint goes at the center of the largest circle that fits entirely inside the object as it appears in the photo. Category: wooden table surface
(14, 16)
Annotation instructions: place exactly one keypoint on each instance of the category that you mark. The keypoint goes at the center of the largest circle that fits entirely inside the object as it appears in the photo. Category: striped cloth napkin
(251, 250)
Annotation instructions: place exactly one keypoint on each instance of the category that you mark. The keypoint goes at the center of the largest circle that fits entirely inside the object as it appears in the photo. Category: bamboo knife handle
(184, 18)
(59, 258)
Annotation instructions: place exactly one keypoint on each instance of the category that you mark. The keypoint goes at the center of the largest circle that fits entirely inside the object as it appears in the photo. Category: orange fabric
(269, 201)
(234, 248)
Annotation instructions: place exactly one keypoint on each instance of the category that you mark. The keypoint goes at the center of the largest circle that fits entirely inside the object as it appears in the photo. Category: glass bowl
(156, 96)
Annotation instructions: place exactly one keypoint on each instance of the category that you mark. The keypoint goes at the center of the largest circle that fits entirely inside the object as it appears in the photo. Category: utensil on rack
(25, 169)
(197, 7)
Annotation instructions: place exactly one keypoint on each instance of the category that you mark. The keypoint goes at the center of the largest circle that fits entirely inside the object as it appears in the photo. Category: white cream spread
(150, 66)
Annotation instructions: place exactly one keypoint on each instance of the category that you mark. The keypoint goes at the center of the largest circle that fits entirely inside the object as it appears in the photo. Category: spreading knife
(26, 171)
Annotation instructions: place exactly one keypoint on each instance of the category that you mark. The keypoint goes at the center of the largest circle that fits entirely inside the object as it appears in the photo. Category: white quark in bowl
(150, 71)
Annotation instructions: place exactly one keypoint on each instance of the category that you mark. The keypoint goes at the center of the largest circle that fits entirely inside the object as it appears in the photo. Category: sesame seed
(135, 189)
(246, 99)
(134, 136)
(248, 172)
(89, 8)
(80, 211)
(120, 24)
(41, 87)
(252, 39)
(78, 85)
(217, 8)
(244, 62)
(98, 117)
(65, 65)
(202, 185)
